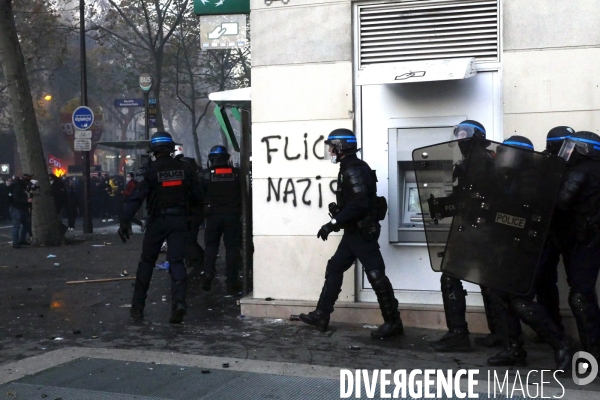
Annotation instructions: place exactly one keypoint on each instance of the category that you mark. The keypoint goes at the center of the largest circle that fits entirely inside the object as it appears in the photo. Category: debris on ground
(354, 347)
(163, 265)
(225, 365)
(87, 280)
(124, 273)
(206, 371)
(370, 326)
(294, 318)
(57, 264)
(51, 256)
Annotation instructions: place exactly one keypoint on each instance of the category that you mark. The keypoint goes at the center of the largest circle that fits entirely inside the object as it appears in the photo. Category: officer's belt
(175, 211)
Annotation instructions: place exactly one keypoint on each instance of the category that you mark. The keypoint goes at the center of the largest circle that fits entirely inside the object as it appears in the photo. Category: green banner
(226, 126)
(221, 7)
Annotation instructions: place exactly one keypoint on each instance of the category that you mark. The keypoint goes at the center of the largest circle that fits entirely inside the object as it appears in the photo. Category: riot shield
(436, 170)
(505, 203)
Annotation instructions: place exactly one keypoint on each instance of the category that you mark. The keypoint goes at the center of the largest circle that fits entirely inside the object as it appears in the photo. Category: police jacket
(578, 200)
(222, 185)
(356, 191)
(168, 184)
(17, 195)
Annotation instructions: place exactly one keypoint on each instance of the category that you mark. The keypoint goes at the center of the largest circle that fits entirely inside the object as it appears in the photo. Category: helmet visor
(462, 131)
(327, 151)
(567, 149)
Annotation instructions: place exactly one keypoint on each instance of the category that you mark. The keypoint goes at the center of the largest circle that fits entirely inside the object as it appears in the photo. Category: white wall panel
(552, 80)
(294, 267)
(302, 92)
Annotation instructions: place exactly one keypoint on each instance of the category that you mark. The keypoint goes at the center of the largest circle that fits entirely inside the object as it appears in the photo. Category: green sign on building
(221, 7)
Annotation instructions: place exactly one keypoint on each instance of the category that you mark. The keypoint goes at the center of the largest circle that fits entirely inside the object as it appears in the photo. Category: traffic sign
(83, 144)
(83, 134)
(83, 118)
(129, 103)
(221, 7)
(145, 81)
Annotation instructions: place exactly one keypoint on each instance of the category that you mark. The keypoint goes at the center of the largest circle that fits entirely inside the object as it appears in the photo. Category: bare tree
(46, 225)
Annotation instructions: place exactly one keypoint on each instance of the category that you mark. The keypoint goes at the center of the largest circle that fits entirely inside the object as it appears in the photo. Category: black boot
(317, 318)
(177, 313)
(538, 319)
(233, 287)
(586, 313)
(387, 304)
(455, 340)
(492, 339)
(137, 313)
(207, 279)
(513, 355)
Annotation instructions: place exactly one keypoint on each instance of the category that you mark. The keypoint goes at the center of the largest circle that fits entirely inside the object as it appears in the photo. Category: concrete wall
(550, 66)
(301, 90)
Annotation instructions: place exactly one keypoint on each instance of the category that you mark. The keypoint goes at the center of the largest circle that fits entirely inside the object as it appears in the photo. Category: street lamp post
(87, 215)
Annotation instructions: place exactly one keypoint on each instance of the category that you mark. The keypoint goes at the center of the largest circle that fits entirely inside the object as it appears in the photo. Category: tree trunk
(46, 225)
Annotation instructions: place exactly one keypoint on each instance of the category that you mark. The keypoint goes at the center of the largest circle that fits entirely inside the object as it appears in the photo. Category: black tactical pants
(230, 227)
(194, 254)
(175, 230)
(353, 246)
(547, 283)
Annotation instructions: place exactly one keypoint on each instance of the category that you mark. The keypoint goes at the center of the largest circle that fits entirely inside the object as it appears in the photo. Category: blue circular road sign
(83, 118)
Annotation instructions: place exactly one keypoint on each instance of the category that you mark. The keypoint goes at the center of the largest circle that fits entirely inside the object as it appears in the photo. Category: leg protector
(387, 304)
(455, 303)
(586, 313)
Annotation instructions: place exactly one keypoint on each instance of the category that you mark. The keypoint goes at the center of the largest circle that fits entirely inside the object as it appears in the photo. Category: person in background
(19, 203)
(130, 186)
(72, 204)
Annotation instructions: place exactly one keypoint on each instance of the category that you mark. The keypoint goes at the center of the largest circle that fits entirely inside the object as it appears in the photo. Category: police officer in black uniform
(453, 292)
(169, 185)
(222, 185)
(357, 211)
(194, 253)
(547, 283)
(579, 232)
(508, 307)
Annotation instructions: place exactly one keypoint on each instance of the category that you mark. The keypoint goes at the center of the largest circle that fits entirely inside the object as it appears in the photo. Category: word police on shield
(83, 118)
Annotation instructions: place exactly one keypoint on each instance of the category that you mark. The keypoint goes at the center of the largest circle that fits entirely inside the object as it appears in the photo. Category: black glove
(123, 231)
(325, 231)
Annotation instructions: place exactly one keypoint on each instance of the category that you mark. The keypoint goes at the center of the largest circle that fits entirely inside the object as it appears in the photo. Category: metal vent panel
(428, 30)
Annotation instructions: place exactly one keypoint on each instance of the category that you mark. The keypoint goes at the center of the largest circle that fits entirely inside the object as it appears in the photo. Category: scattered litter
(76, 332)
(58, 339)
(269, 299)
(94, 337)
(19, 335)
(273, 320)
(51, 256)
(370, 326)
(354, 347)
(107, 243)
(164, 298)
(182, 369)
(57, 264)
(125, 306)
(98, 245)
(294, 318)
(163, 265)
(4, 266)
(206, 371)
(229, 295)
(151, 369)
(245, 334)
(87, 280)
(124, 273)
(210, 309)
(107, 304)
(44, 395)
(225, 365)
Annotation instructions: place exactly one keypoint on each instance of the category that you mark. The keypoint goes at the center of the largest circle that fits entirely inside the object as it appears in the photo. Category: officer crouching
(169, 185)
(357, 211)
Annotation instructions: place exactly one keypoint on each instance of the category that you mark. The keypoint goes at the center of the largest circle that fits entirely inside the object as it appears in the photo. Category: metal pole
(87, 215)
(147, 118)
(247, 248)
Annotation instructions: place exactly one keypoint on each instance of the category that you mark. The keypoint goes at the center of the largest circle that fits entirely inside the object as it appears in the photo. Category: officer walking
(453, 292)
(169, 185)
(223, 211)
(357, 211)
(194, 253)
(508, 306)
(579, 232)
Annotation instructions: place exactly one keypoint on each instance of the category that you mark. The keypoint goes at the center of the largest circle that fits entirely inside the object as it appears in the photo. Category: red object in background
(59, 172)
(54, 162)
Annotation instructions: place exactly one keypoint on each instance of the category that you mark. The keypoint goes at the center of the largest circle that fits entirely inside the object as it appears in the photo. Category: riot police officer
(194, 253)
(547, 283)
(523, 177)
(357, 211)
(579, 232)
(169, 185)
(222, 185)
(453, 292)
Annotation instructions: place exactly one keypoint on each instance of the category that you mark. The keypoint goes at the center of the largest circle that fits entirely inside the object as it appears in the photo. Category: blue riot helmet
(340, 141)
(556, 137)
(468, 129)
(218, 156)
(162, 142)
(507, 158)
(580, 144)
(519, 141)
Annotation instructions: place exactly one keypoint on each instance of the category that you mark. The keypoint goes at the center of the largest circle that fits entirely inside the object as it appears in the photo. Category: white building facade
(400, 74)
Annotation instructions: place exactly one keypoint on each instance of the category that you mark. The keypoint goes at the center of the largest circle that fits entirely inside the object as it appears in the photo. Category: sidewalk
(41, 316)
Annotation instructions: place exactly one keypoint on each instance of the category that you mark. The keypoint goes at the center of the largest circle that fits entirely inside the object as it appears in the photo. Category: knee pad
(578, 301)
(450, 283)
(375, 275)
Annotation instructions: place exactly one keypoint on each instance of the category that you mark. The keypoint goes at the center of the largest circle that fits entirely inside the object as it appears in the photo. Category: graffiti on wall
(294, 190)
